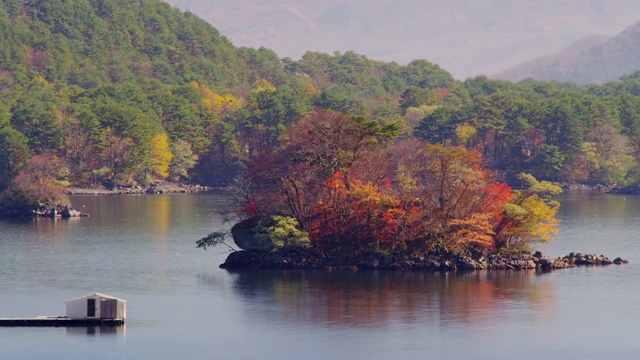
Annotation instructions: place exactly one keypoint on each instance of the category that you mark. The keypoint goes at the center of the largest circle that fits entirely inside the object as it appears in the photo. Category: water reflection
(160, 214)
(96, 330)
(362, 299)
(53, 228)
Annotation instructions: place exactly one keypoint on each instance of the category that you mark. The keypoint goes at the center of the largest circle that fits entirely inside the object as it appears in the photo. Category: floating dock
(91, 310)
(59, 321)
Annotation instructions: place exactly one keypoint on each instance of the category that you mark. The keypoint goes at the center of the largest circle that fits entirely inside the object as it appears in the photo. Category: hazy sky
(466, 37)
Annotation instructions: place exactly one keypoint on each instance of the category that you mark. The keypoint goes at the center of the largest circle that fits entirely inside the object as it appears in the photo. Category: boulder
(465, 263)
(545, 263)
(69, 213)
(245, 237)
(371, 262)
(448, 266)
(620, 261)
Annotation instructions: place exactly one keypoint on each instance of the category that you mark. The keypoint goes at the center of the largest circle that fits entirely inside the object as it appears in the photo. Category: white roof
(98, 295)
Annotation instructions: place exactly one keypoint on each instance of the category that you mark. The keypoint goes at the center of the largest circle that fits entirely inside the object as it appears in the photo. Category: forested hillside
(125, 92)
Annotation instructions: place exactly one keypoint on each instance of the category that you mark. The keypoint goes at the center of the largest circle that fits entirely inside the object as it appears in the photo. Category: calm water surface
(181, 306)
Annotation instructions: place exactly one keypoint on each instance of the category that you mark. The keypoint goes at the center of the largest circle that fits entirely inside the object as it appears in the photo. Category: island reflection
(374, 298)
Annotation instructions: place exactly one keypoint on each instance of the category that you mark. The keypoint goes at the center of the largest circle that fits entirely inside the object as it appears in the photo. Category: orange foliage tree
(454, 199)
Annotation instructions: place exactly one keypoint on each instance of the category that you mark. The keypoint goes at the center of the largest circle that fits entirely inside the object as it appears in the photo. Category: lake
(182, 306)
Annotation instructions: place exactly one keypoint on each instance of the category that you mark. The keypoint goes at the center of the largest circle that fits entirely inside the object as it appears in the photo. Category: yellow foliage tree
(263, 85)
(465, 132)
(310, 89)
(221, 105)
(415, 114)
(530, 217)
(160, 155)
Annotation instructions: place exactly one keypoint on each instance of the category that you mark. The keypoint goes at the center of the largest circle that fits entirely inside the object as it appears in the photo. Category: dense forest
(124, 92)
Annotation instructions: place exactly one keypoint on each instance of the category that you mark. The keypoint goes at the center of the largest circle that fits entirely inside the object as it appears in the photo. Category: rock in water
(69, 213)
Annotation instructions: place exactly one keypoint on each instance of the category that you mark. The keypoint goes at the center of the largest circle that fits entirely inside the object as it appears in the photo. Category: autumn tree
(362, 217)
(450, 193)
(435, 195)
(115, 158)
(82, 145)
(606, 156)
(160, 155)
(183, 160)
(529, 217)
(414, 114)
(38, 183)
(292, 180)
(221, 105)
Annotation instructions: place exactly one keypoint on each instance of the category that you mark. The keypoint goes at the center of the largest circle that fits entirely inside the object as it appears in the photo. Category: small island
(36, 192)
(262, 248)
(344, 192)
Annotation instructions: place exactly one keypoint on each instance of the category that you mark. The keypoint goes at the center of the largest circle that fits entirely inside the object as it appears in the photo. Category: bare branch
(214, 239)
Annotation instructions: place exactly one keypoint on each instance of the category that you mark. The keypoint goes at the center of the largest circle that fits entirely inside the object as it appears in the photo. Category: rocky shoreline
(43, 211)
(597, 188)
(157, 187)
(633, 189)
(301, 258)
(66, 211)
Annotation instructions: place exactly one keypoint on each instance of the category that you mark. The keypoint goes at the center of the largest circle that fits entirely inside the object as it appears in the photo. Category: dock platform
(59, 321)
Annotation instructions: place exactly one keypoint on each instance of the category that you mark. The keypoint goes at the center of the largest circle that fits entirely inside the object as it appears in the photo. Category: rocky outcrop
(309, 258)
(246, 239)
(63, 211)
(157, 187)
(601, 188)
(68, 212)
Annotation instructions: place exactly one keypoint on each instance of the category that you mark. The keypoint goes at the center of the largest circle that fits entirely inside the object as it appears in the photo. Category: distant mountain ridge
(465, 37)
(593, 59)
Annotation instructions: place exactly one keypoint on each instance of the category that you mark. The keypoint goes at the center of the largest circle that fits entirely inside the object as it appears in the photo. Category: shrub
(282, 231)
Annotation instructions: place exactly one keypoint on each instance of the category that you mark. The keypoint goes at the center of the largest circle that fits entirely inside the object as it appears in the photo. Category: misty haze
(464, 37)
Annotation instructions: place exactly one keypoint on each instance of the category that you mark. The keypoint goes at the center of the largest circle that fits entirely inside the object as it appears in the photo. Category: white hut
(97, 306)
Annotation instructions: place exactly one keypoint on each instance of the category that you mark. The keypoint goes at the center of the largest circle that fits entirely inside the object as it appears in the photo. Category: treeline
(121, 92)
(557, 131)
